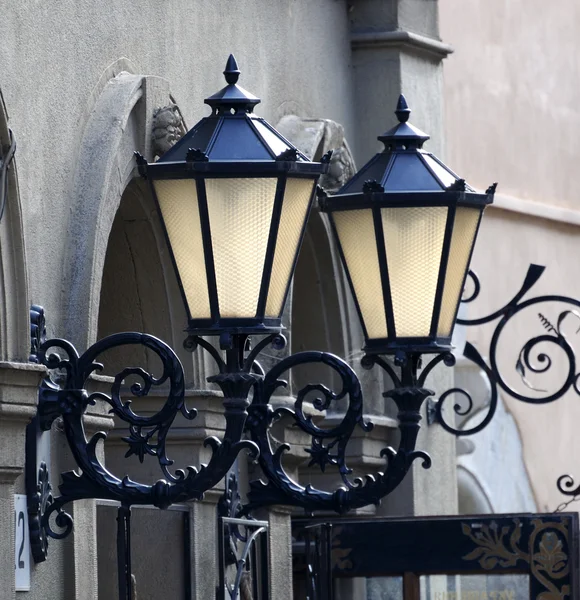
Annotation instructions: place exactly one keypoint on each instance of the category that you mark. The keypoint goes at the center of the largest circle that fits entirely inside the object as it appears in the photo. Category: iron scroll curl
(534, 358)
(70, 400)
(328, 445)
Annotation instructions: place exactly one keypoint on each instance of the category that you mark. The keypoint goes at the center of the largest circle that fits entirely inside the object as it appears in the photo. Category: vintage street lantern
(234, 197)
(406, 226)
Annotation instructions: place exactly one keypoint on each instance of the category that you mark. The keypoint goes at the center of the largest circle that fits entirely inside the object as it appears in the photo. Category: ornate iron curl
(328, 446)
(69, 399)
(530, 358)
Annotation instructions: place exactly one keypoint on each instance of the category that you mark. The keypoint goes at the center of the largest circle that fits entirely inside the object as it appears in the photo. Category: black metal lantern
(406, 226)
(234, 197)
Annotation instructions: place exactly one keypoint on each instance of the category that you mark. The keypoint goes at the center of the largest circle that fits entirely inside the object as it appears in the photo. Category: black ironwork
(542, 547)
(239, 374)
(6, 158)
(37, 331)
(328, 446)
(534, 357)
(243, 549)
(70, 400)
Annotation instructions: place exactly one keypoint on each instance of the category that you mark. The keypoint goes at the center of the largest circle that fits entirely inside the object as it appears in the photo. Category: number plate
(22, 549)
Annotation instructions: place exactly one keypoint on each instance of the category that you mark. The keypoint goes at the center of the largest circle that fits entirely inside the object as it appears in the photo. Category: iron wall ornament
(535, 359)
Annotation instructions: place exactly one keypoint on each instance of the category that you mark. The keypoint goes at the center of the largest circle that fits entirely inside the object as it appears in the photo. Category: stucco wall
(512, 95)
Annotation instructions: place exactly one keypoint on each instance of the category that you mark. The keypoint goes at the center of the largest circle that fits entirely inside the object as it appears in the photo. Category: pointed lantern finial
(232, 73)
(402, 111)
(232, 98)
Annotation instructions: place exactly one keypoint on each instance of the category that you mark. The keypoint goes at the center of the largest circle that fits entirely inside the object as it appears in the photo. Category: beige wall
(512, 94)
(512, 108)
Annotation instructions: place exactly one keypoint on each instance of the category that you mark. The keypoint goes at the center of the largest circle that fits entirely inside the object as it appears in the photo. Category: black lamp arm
(328, 446)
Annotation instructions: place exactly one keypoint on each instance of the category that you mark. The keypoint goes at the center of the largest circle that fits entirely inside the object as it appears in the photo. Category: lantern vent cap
(232, 97)
(404, 134)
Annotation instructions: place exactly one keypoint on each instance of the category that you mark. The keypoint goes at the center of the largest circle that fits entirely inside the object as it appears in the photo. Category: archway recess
(14, 303)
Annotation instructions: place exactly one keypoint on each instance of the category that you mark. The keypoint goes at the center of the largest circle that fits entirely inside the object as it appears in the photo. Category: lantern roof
(232, 132)
(403, 166)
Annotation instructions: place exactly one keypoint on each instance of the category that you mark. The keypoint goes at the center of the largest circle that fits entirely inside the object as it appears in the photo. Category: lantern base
(255, 326)
(408, 346)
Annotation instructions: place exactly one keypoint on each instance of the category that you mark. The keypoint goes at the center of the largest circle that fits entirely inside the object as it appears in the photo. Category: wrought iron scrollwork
(66, 397)
(533, 359)
(243, 549)
(328, 446)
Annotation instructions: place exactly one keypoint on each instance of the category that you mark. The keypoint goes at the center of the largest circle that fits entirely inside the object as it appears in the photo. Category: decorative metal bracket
(328, 446)
(63, 395)
(532, 360)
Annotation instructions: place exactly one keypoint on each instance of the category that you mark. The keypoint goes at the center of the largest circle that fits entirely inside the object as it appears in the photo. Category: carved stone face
(167, 128)
(340, 171)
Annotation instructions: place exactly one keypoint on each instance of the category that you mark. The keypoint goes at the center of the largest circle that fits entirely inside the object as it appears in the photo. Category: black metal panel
(543, 546)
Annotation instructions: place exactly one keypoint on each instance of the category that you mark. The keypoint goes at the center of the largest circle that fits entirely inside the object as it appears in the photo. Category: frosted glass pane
(296, 199)
(464, 230)
(240, 213)
(356, 233)
(178, 202)
(413, 242)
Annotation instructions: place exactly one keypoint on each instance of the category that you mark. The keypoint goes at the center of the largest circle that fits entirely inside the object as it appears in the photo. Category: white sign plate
(22, 539)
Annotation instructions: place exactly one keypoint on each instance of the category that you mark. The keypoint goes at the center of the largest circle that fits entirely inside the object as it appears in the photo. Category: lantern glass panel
(297, 198)
(356, 234)
(180, 211)
(413, 242)
(240, 214)
(462, 240)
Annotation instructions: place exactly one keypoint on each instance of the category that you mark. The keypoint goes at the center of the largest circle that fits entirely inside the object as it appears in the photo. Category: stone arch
(119, 123)
(14, 303)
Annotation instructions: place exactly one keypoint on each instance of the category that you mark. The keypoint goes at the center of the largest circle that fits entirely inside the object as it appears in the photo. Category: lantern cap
(233, 133)
(403, 134)
(232, 97)
(403, 166)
